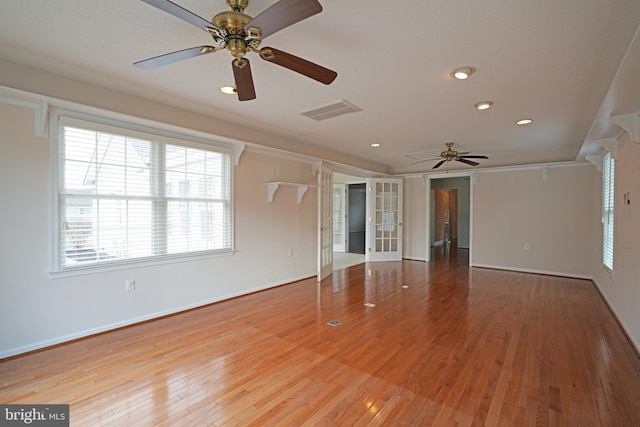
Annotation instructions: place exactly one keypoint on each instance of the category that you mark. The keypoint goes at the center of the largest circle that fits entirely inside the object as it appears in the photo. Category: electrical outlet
(130, 285)
(526, 246)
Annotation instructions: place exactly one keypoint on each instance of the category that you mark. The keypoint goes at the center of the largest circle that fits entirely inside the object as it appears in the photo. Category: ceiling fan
(450, 154)
(240, 33)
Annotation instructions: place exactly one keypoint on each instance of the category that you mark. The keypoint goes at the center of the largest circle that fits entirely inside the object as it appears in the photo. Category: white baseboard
(625, 327)
(116, 325)
(414, 258)
(533, 271)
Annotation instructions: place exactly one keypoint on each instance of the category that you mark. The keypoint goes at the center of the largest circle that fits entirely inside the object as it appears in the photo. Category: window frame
(165, 134)
(608, 212)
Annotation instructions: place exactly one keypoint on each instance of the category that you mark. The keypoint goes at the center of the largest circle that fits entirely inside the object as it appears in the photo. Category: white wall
(555, 217)
(36, 310)
(622, 289)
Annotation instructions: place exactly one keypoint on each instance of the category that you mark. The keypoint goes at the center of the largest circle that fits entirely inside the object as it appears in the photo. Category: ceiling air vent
(335, 109)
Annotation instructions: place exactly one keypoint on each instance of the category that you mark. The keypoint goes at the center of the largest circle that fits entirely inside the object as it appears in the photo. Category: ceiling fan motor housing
(234, 22)
(238, 5)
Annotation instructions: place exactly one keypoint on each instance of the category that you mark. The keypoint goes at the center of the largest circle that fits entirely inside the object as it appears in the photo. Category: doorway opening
(367, 218)
(450, 220)
(350, 205)
(357, 218)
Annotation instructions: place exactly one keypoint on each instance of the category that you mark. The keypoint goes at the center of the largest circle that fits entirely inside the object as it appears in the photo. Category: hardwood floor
(458, 346)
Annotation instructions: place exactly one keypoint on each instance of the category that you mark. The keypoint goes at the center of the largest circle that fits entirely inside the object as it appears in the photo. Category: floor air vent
(335, 109)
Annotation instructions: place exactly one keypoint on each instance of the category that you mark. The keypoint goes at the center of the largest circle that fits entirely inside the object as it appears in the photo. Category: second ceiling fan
(450, 154)
(240, 33)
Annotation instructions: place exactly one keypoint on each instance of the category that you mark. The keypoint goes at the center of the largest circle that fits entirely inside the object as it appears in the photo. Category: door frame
(473, 175)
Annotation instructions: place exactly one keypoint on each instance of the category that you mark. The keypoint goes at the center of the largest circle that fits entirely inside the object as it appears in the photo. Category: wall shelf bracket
(272, 187)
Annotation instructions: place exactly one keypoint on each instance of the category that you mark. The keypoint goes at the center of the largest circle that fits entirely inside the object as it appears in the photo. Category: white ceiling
(549, 60)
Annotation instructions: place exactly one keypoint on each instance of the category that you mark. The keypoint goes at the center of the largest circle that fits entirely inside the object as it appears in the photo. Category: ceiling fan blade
(299, 65)
(439, 164)
(244, 79)
(469, 162)
(182, 13)
(169, 58)
(282, 14)
(473, 157)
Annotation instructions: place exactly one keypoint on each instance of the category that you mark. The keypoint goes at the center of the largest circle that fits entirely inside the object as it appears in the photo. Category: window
(125, 195)
(608, 178)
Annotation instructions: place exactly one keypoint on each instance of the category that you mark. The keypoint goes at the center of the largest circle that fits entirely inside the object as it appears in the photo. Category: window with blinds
(126, 195)
(608, 178)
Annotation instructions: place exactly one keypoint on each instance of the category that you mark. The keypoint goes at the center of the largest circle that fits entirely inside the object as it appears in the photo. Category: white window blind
(125, 195)
(608, 178)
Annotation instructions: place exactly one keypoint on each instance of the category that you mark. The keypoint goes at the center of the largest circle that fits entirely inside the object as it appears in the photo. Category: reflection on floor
(450, 254)
(440, 253)
(345, 259)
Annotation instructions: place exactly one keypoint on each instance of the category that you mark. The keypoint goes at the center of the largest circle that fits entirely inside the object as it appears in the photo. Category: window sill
(126, 265)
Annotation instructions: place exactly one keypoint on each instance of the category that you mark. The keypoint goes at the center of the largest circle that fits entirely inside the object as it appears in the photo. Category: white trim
(112, 326)
(630, 123)
(85, 112)
(412, 258)
(137, 263)
(610, 145)
(596, 160)
(42, 120)
(534, 271)
(478, 171)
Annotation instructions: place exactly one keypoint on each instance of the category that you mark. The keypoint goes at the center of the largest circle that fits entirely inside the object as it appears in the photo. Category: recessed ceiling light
(462, 73)
(483, 105)
(228, 90)
(376, 144)
(524, 121)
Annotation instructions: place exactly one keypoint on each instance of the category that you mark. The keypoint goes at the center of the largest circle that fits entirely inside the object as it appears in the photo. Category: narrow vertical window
(127, 195)
(608, 178)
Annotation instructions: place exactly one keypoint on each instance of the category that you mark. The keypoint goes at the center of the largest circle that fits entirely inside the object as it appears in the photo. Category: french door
(384, 220)
(325, 223)
(339, 217)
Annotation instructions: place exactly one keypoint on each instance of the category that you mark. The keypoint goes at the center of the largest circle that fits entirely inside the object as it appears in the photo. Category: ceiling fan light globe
(228, 90)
